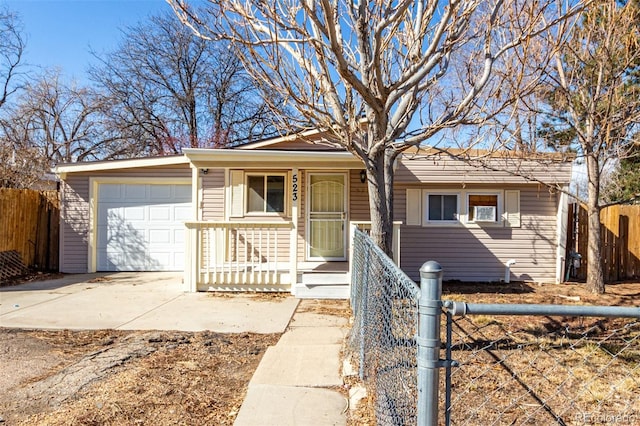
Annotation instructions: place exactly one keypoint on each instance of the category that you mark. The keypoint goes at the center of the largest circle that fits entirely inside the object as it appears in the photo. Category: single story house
(275, 215)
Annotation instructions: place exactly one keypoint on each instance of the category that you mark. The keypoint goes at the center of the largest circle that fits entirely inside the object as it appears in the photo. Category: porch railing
(228, 255)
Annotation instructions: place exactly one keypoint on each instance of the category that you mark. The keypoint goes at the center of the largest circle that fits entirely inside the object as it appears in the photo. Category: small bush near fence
(512, 370)
(29, 227)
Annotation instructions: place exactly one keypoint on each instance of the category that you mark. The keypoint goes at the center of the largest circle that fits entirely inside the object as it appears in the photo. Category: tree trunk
(380, 185)
(193, 124)
(595, 277)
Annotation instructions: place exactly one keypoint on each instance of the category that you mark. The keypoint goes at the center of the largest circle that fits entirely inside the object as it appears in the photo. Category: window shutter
(414, 207)
(237, 193)
(512, 208)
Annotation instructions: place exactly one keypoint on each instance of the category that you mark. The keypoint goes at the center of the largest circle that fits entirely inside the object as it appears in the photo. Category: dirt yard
(113, 377)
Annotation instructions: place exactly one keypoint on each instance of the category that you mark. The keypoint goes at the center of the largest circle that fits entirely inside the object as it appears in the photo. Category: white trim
(63, 169)
(561, 233)
(246, 159)
(61, 234)
(227, 194)
(93, 226)
(196, 192)
(293, 249)
(94, 189)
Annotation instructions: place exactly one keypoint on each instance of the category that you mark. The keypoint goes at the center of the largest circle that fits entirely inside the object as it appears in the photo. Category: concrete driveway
(138, 301)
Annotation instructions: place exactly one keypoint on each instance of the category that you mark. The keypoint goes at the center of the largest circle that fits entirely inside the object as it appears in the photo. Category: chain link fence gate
(565, 365)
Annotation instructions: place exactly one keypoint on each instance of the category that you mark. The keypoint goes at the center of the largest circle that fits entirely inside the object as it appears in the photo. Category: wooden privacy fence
(29, 226)
(620, 241)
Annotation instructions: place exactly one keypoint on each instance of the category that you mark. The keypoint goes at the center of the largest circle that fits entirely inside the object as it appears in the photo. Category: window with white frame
(257, 193)
(442, 208)
(265, 193)
(466, 208)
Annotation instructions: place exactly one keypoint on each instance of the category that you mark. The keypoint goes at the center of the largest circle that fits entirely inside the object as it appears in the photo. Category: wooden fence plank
(620, 241)
(29, 224)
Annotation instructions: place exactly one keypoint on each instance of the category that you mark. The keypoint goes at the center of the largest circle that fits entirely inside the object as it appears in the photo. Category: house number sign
(294, 187)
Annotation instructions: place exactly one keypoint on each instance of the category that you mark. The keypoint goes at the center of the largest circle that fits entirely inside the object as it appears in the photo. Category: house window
(471, 209)
(442, 207)
(483, 208)
(265, 193)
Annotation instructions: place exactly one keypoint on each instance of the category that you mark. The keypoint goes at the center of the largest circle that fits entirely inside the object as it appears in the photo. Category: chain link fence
(535, 370)
(383, 336)
(514, 364)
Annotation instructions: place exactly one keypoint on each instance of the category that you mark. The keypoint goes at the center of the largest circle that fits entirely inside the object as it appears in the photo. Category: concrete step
(324, 278)
(322, 291)
(322, 285)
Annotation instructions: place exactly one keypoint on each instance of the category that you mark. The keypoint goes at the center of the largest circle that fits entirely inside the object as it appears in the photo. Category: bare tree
(591, 104)
(21, 168)
(11, 49)
(172, 89)
(404, 70)
(58, 123)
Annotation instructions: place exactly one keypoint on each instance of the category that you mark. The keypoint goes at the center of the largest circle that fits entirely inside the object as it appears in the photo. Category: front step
(318, 285)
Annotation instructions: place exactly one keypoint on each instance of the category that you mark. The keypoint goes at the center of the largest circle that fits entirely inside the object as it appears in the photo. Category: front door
(327, 216)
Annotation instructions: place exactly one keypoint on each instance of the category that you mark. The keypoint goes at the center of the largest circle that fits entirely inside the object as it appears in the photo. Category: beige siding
(358, 198)
(479, 254)
(213, 195)
(440, 169)
(74, 224)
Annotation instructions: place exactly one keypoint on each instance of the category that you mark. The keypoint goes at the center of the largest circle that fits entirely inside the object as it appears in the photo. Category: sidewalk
(295, 382)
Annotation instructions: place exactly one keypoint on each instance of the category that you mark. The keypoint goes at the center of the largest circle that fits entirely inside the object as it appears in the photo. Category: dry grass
(179, 378)
(540, 370)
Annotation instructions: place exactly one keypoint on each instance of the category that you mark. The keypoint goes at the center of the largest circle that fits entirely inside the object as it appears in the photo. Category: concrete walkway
(138, 301)
(296, 379)
(294, 384)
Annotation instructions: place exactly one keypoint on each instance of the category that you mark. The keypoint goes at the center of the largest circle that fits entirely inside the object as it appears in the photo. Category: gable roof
(311, 140)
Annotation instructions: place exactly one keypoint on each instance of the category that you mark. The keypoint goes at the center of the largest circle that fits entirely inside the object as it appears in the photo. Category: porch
(240, 256)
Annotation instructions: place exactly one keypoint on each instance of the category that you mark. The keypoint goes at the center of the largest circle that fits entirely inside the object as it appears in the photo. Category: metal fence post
(428, 339)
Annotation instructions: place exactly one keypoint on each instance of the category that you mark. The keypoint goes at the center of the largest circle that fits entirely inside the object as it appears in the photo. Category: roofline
(463, 154)
(63, 169)
(279, 139)
(203, 157)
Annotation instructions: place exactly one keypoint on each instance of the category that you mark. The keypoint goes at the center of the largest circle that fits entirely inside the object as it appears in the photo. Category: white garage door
(141, 227)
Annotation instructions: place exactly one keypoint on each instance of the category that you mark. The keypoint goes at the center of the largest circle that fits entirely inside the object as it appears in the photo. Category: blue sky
(61, 33)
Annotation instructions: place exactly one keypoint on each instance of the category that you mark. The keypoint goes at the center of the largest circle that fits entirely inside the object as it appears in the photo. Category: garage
(140, 227)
